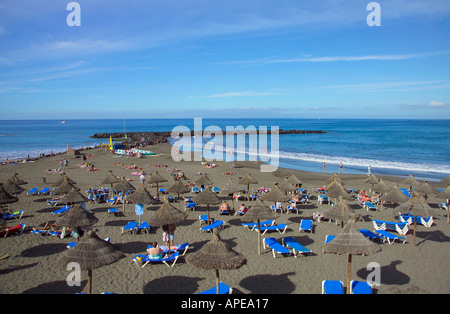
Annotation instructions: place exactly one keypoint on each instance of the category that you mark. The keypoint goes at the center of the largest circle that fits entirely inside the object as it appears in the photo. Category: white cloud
(236, 94)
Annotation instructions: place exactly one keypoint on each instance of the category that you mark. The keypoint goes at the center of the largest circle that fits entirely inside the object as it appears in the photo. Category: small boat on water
(63, 122)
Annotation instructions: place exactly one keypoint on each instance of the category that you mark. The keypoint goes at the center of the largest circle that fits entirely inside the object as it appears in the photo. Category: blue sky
(210, 58)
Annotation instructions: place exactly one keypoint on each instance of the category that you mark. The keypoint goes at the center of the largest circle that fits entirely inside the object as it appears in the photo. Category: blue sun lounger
(190, 205)
(165, 260)
(252, 225)
(329, 238)
(369, 205)
(305, 225)
(360, 287)
(32, 191)
(281, 228)
(62, 210)
(369, 234)
(296, 247)
(215, 224)
(223, 289)
(276, 247)
(44, 191)
(387, 236)
(182, 248)
(131, 226)
(14, 215)
(332, 287)
(143, 226)
(401, 227)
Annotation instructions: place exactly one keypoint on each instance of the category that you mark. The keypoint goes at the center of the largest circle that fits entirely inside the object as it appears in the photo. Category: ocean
(392, 147)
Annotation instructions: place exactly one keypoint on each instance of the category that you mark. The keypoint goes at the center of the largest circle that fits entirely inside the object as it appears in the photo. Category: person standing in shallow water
(340, 168)
(324, 169)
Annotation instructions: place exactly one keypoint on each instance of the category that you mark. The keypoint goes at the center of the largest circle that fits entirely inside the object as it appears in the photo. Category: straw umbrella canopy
(15, 179)
(123, 186)
(90, 253)
(394, 196)
(216, 255)
(335, 177)
(294, 180)
(426, 189)
(341, 211)
(411, 181)
(110, 179)
(63, 178)
(287, 186)
(76, 217)
(65, 187)
(203, 180)
(12, 188)
(207, 197)
(156, 178)
(258, 212)
(179, 188)
(275, 195)
(74, 196)
(372, 179)
(247, 180)
(5, 197)
(141, 196)
(415, 206)
(167, 215)
(352, 242)
(446, 195)
(381, 187)
(446, 180)
(336, 190)
(230, 188)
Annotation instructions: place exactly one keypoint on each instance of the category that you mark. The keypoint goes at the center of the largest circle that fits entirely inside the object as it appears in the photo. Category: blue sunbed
(332, 287)
(296, 247)
(223, 289)
(276, 247)
(215, 224)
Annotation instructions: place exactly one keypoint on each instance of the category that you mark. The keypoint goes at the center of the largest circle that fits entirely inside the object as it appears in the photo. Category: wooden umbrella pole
(349, 272)
(217, 281)
(415, 223)
(259, 238)
(89, 287)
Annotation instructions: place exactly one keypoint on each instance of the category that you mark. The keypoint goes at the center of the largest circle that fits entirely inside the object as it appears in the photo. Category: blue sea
(394, 147)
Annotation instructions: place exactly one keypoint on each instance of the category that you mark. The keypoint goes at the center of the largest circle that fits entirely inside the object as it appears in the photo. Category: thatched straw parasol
(381, 187)
(286, 186)
(63, 178)
(415, 206)
(216, 255)
(372, 180)
(341, 211)
(230, 188)
(76, 217)
(258, 212)
(334, 177)
(336, 190)
(446, 195)
(16, 180)
(141, 196)
(110, 179)
(247, 180)
(411, 181)
(124, 186)
(394, 196)
(156, 178)
(167, 215)
(91, 252)
(426, 189)
(446, 180)
(206, 197)
(275, 195)
(294, 180)
(5, 197)
(74, 196)
(203, 180)
(352, 242)
(179, 188)
(12, 188)
(64, 187)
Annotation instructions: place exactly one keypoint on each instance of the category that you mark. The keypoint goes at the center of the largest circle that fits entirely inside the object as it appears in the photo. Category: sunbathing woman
(154, 252)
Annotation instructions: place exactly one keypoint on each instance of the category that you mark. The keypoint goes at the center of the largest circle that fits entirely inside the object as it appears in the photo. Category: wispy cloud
(430, 105)
(313, 59)
(237, 94)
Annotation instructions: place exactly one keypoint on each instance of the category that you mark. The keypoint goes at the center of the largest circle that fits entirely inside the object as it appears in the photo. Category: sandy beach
(33, 267)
